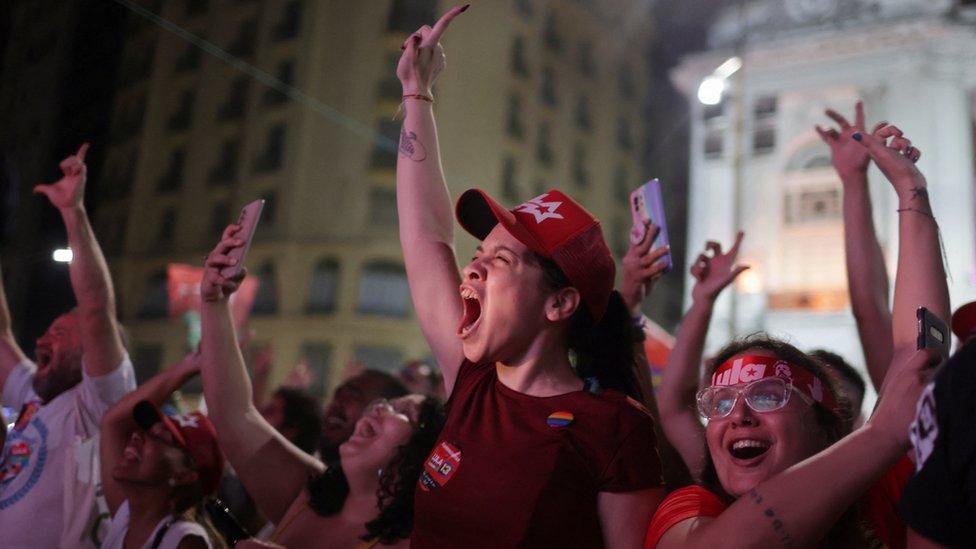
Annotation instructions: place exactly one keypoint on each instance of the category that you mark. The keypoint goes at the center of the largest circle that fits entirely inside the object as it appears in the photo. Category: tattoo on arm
(784, 537)
(411, 147)
(920, 192)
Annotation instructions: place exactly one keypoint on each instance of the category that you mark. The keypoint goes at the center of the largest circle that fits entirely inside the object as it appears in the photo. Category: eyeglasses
(763, 395)
(387, 407)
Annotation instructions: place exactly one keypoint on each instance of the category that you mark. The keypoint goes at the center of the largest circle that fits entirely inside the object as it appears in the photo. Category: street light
(714, 85)
(62, 255)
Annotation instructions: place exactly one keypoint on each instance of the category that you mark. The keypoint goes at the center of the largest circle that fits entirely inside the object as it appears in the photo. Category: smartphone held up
(647, 205)
(248, 220)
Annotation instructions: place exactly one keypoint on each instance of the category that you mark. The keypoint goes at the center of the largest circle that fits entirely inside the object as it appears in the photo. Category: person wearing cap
(48, 467)
(766, 446)
(158, 469)
(545, 442)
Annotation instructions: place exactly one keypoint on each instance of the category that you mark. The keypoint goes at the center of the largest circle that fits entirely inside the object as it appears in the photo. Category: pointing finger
(82, 151)
(859, 114)
(441, 25)
(836, 117)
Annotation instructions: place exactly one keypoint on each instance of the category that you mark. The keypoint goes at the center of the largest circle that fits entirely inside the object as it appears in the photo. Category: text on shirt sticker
(441, 465)
(925, 429)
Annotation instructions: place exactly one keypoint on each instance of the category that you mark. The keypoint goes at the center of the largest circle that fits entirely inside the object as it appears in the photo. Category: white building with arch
(758, 164)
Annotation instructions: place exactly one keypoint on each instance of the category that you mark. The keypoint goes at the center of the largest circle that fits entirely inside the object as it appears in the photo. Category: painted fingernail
(465, 8)
(857, 136)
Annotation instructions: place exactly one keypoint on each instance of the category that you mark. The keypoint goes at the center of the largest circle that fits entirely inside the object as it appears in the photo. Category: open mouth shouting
(748, 451)
(471, 312)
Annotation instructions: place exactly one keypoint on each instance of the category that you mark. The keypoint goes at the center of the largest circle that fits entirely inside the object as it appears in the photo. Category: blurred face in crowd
(748, 447)
(274, 412)
(347, 407)
(153, 458)
(384, 426)
(504, 297)
(58, 356)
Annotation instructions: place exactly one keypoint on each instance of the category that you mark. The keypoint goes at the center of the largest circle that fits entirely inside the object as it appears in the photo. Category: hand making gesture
(714, 272)
(69, 191)
(642, 267)
(846, 155)
(423, 57)
(896, 159)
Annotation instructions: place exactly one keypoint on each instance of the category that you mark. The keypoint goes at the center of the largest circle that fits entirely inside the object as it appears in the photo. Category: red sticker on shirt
(441, 465)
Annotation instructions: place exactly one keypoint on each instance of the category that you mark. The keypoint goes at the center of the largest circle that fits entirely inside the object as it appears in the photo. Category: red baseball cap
(964, 320)
(195, 433)
(556, 227)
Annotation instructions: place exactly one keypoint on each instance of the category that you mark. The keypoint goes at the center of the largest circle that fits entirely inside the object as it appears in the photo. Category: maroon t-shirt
(515, 470)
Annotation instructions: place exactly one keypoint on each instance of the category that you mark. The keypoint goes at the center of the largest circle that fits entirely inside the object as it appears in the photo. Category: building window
(317, 357)
(764, 106)
(155, 299)
(409, 15)
(325, 287)
(513, 123)
(390, 88)
(383, 290)
(233, 106)
(220, 217)
(172, 179)
(551, 37)
(583, 120)
(290, 22)
(714, 143)
(190, 59)
(547, 90)
(811, 206)
(286, 74)
(763, 139)
(384, 359)
(581, 176)
(147, 361)
(274, 150)
(625, 139)
(269, 214)
(183, 115)
(510, 190)
(524, 8)
(625, 83)
(167, 227)
(384, 154)
(226, 169)
(246, 39)
(520, 65)
(128, 119)
(382, 207)
(543, 148)
(266, 300)
(584, 59)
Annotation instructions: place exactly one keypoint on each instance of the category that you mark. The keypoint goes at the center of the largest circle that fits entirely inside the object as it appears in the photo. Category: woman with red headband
(531, 454)
(773, 460)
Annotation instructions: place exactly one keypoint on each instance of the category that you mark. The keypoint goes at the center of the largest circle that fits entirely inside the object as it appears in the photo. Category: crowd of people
(541, 428)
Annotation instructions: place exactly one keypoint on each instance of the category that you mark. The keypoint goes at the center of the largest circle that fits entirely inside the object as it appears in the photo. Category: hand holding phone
(647, 205)
(248, 221)
(932, 332)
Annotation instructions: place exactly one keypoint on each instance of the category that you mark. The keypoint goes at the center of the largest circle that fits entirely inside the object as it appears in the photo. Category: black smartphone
(932, 332)
(225, 521)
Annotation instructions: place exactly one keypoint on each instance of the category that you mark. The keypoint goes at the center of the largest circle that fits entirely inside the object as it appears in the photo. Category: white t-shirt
(48, 461)
(174, 534)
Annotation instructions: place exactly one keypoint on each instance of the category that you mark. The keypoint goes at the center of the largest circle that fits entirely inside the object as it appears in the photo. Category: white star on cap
(533, 207)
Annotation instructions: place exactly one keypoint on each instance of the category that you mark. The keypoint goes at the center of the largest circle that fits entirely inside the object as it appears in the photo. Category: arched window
(325, 283)
(383, 290)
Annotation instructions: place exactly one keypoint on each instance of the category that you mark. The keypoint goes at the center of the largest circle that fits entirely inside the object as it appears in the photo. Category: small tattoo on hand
(411, 147)
(920, 192)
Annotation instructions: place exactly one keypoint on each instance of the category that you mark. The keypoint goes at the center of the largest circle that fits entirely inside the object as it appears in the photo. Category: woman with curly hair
(366, 501)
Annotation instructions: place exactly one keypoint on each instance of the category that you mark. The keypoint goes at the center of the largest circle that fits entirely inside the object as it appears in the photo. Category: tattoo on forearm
(411, 147)
(784, 537)
(920, 192)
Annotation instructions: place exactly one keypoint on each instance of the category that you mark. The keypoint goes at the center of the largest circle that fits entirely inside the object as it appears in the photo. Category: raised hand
(896, 158)
(846, 155)
(642, 268)
(214, 286)
(714, 270)
(423, 57)
(69, 191)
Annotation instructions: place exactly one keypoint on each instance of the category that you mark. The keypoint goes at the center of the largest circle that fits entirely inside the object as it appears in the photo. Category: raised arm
(798, 506)
(712, 271)
(10, 353)
(867, 277)
(920, 280)
(90, 277)
(272, 469)
(117, 423)
(424, 203)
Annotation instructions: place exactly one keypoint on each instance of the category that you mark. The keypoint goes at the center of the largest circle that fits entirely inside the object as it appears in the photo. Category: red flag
(184, 293)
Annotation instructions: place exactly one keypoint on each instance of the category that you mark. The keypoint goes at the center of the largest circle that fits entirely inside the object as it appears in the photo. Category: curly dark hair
(851, 530)
(328, 491)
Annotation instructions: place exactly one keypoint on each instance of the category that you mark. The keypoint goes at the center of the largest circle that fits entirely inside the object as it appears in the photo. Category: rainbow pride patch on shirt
(559, 419)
